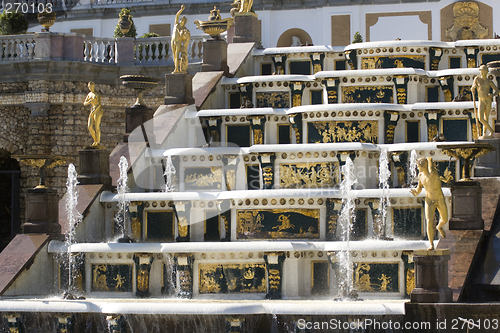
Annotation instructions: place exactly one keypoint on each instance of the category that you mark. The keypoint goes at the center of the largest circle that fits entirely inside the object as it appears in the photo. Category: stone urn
(139, 83)
(215, 24)
(46, 19)
(124, 23)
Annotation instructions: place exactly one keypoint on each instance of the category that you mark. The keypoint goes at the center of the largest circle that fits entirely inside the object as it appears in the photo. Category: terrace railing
(110, 51)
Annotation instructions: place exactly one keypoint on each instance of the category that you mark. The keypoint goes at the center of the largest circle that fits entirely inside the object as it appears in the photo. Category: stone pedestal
(215, 56)
(93, 166)
(42, 212)
(466, 206)
(247, 28)
(431, 277)
(179, 89)
(136, 116)
(489, 164)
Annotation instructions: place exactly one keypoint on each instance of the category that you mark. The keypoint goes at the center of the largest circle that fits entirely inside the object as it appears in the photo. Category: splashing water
(73, 216)
(345, 218)
(123, 203)
(413, 167)
(383, 183)
(169, 174)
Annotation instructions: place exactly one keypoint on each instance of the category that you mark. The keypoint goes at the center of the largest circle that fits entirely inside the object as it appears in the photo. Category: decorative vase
(125, 23)
(46, 19)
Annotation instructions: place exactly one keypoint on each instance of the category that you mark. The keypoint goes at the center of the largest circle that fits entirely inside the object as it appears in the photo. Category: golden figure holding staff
(428, 178)
(482, 85)
(180, 42)
(94, 123)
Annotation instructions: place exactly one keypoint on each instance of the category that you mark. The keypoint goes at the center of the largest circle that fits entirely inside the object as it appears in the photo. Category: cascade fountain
(121, 218)
(384, 175)
(413, 167)
(263, 231)
(345, 221)
(74, 217)
(169, 175)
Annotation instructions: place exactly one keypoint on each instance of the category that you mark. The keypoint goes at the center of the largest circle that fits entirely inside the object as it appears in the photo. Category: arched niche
(285, 39)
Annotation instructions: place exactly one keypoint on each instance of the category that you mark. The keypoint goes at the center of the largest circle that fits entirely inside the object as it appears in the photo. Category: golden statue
(483, 84)
(428, 178)
(241, 6)
(180, 43)
(94, 123)
(246, 6)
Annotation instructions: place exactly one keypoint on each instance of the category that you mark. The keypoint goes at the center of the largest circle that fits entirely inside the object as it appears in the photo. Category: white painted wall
(316, 22)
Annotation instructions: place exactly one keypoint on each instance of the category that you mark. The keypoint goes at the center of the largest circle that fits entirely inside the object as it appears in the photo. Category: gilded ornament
(180, 43)
(466, 23)
(410, 280)
(429, 179)
(482, 84)
(96, 113)
(215, 24)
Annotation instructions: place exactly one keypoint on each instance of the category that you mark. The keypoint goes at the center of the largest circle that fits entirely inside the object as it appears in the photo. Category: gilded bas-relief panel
(277, 223)
(309, 175)
(399, 61)
(276, 99)
(343, 131)
(111, 278)
(209, 178)
(232, 278)
(376, 277)
(368, 94)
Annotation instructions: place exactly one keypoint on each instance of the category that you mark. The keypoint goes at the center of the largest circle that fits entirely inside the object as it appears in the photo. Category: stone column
(136, 116)
(42, 212)
(179, 89)
(489, 164)
(431, 277)
(247, 28)
(466, 206)
(124, 51)
(215, 56)
(93, 166)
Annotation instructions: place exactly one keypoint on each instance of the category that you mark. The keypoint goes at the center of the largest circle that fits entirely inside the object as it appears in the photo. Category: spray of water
(383, 183)
(169, 174)
(73, 216)
(413, 167)
(123, 203)
(345, 218)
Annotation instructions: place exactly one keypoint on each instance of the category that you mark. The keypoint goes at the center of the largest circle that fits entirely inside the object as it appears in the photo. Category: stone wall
(62, 128)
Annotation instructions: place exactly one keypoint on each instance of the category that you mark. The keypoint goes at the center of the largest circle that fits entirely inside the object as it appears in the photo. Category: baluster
(86, 51)
(95, 51)
(3, 53)
(200, 50)
(156, 54)
(144, 52)
(150, 52)
(193, 49)
(103, 51)
(12, 49)
(112, 52)
(168, 51)
(137, 52)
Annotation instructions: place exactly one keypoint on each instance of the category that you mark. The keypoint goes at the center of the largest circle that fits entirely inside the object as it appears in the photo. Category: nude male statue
(428, 178)
(482, 85)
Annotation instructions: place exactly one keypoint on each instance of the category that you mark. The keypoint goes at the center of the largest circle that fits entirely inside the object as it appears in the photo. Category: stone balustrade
(111, 51)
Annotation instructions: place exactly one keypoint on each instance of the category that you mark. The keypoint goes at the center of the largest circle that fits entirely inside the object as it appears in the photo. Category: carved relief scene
(277, 223)
(232, 278)
(342, 131)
